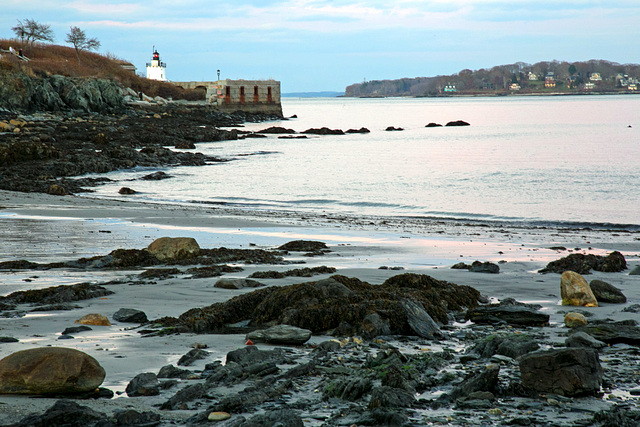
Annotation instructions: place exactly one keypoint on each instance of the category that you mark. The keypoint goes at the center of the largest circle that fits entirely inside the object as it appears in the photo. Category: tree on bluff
(31, 31)
(79, 40)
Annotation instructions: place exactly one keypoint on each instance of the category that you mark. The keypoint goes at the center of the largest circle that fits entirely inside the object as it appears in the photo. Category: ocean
(527, 160)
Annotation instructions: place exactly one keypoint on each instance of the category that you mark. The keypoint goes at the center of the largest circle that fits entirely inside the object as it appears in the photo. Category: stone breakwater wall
(21, 92)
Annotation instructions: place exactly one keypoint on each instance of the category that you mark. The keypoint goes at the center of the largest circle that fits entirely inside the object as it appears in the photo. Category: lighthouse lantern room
(155, 68)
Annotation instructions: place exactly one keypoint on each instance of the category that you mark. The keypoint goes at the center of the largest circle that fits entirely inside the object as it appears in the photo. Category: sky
(323, 45)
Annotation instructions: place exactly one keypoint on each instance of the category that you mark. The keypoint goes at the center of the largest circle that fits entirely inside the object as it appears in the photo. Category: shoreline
(59, 228)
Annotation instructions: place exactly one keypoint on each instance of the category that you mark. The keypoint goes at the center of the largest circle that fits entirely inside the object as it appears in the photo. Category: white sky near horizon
(316, 45)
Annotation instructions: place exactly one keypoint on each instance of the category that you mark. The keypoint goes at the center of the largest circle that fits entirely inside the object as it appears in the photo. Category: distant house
(127, 66)
(589, 85)
(532, 76)
(595, 77)
(633, 87)
(514, 86)
(550, 81)
(486, 85)
(450, 88)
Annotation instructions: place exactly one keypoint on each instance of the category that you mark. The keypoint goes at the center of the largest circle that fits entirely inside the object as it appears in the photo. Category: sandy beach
(43, 228)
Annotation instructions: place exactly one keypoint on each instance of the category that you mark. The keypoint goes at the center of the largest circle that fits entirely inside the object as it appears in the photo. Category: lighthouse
(155, 68)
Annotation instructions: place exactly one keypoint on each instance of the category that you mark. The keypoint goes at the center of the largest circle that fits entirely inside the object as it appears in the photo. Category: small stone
(218, 416)
(574, 320)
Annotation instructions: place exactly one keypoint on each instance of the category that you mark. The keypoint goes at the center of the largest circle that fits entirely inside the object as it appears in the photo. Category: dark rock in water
(633, 308)
(212, 271)
(508, 312)
(393, 129)
(512, 346)
(187, 394)
(433, 125)
(278, 130)
(253, 135)
(76, 329)
(582, 339)
(326, 304)
(237, 283)
(461, 266)
(192, 356)
(624, 332)
(605, 292)
(297, 272)
(145, 384)
(484, 267)
(420, 321)
(281, 334)
(64, 413)
(130, 315)
(293, 137)
(564, 371)
(458, 123)
(484, 380)
(389, 397)
(361, 130)
(8, 339)
(185, 145)
(323, 131)
(18, 265)
(159, 273)
(156, 176)
(126, 190)
(303, 246)
(583, 264)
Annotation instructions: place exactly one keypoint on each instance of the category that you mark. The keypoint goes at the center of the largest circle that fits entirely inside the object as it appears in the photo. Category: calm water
(523, 159)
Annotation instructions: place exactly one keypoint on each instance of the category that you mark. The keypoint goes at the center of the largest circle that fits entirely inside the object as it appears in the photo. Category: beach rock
(393, 129)
(49, 370)
(485, 379)
(76, 329)
(218, 416)
(621, 415)
(390, 397)
(484, 267)
(8, 340)
(237, 283)
(65, 413)
(275, 418)
(170, 371)
(145, 384)
(461, 266)
(583, 264)
(458, 123)
(57, 190)
(126, 191)
(635, 271)
(183, 396)
(172, 248)
(582, 339)
(574, 320)
(433, 125)
(575, 290)
(94, 319)
(303, 246)
(192, 356)
(623, 332)
(374, 325)
(185, 145)
(420, 321)
(512, 346)
(566, 372)
(281, 334)
(130, 315)
(130, 417)
(605, 292)
(296, 272)
(351, 388)
(510, 312)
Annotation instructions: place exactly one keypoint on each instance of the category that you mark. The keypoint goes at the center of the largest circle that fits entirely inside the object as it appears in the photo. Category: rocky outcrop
(20, 92)
(281, 334)
(583, 264)
(50, 370)
(567, 372)
(508, 311)
(575, 290)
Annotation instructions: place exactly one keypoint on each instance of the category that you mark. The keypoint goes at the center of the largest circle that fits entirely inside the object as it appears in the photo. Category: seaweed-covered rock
(327, 304)
(303, 246)
(57, 294)
(281, 334)
(510, 312)
(64, 413)
(583, 264)
(606, 292)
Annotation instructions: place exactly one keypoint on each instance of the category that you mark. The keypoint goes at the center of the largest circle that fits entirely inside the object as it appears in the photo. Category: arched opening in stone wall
(227, 95)
(269, 95)
(256, 95)
(241, 94)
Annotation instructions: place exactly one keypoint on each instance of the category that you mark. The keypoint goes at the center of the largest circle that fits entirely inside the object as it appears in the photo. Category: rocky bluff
(21, 92)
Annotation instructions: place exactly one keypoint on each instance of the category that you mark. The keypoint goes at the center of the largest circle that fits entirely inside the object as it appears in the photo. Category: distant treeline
(542, 77)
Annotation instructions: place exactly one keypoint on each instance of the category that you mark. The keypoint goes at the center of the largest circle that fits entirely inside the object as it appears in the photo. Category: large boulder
(564, 371)
(508, 311)
(130, 315)
(94, 319)
(49, 370)
(281, 334)
(575, 290)
(174, 248)
(606, 292)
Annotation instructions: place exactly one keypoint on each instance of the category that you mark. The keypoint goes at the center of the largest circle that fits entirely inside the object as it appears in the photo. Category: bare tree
(31, 31)
(79, 40)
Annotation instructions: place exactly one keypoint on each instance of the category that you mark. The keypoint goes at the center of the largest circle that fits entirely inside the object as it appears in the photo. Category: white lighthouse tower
(155, 68)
